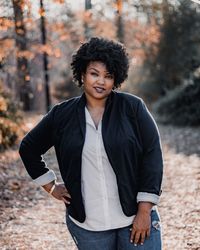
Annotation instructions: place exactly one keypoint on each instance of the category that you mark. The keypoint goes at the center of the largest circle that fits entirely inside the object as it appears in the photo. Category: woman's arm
(150, 174)
(34, 145)
(151, 169)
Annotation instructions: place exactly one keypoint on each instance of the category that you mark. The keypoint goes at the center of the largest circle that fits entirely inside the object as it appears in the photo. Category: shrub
(10, 118)
(180, 106)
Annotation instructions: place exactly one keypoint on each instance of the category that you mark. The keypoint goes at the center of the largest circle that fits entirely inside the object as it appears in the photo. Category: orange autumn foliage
(10, 119)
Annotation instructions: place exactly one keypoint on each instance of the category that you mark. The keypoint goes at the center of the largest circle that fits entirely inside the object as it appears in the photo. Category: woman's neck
(95, 103)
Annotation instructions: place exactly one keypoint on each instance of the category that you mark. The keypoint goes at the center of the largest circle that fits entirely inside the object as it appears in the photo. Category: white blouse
(99, 186)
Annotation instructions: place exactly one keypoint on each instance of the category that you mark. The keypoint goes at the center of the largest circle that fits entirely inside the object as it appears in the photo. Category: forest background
(38, 38)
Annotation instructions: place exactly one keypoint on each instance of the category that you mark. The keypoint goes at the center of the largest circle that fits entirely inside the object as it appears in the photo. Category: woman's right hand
(60, 192)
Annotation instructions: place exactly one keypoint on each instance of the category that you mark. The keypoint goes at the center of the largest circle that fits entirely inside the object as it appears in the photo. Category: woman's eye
(109, 76)
(94, 74)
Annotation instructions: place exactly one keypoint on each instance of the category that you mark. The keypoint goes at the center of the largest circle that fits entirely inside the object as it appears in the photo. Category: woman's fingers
(61, 193)
(65, 193)
(133, 232)
(142, 238)
(148, 233)
(138, 234)
(65, 200)
(64, 190)
(137, 238)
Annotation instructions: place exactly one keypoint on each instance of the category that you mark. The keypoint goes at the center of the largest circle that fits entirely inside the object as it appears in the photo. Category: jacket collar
(82, 99)
(81, 109)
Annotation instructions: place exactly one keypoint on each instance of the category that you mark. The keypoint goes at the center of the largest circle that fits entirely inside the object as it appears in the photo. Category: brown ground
(31, 219)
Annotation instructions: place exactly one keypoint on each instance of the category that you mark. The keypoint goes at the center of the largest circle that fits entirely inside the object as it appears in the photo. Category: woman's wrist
(145, 207)
(49, 186)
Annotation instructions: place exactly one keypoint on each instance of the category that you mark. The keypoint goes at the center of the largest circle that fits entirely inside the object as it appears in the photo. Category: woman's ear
(82, 78)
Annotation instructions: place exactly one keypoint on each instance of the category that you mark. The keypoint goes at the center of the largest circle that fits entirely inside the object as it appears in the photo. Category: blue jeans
(114, 239)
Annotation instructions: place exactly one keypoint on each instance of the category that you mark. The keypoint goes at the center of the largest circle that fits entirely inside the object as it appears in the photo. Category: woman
(109, 155)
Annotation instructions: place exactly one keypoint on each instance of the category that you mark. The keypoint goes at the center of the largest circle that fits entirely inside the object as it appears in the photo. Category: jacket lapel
(81, 114)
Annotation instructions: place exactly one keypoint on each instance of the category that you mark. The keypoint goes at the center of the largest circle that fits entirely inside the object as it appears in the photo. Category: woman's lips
(99, 89)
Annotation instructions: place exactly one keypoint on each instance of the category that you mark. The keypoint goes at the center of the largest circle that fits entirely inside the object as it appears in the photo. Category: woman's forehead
(98, 66)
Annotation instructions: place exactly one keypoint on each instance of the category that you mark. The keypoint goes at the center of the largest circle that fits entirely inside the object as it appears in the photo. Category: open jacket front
(131, 141)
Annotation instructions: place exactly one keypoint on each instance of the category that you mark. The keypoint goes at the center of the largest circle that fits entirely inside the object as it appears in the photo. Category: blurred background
(37, 39)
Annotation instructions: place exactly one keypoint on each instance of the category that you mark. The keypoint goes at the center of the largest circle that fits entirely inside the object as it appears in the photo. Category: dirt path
(180, 202)
(31, 219)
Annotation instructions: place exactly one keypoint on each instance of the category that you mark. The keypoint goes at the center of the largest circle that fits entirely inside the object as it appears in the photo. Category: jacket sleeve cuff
(148, 197)
(45, 178)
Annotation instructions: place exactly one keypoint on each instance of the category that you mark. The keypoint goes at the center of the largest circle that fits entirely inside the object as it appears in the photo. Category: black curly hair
(113, 54)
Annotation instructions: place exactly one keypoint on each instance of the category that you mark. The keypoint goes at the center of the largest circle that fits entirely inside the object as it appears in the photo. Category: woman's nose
(101, 80)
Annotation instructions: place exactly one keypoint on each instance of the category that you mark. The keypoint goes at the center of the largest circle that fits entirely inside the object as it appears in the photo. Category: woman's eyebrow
(94, 69)
(98, 70)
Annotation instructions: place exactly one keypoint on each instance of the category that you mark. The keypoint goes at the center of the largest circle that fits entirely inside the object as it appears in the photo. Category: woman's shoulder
(63, 110)
(129, 102)
(129, 97)
(66, 104)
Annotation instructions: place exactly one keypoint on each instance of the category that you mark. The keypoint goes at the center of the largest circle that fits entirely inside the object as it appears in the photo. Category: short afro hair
(113, 54)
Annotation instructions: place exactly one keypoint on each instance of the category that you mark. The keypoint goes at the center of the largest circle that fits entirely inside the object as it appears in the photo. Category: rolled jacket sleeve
(34, 145)
(148, 197)
(151, 168)
(45, 178)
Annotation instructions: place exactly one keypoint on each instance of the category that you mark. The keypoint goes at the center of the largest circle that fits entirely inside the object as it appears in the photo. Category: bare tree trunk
(45, 56)
(119, 22)
(88, 6)
(23, 78)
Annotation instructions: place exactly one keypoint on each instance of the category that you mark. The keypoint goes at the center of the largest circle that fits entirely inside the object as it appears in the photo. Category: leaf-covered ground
(31, 219)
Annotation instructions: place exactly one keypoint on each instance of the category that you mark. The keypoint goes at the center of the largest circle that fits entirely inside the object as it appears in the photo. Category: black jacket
(131, 141)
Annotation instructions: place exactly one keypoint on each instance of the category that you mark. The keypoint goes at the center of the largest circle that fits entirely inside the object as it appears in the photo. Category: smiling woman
(112, 54)
(109, 154)
(98, 84)
(97, 81)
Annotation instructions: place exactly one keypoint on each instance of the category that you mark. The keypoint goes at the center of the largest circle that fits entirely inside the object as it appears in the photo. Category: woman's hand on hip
(61, 193)
(141, 223)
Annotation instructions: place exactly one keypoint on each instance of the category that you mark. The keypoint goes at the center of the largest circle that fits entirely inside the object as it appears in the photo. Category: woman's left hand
(141, 223)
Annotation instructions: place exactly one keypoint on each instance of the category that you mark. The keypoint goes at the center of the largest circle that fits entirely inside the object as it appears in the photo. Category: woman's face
(98, 82)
